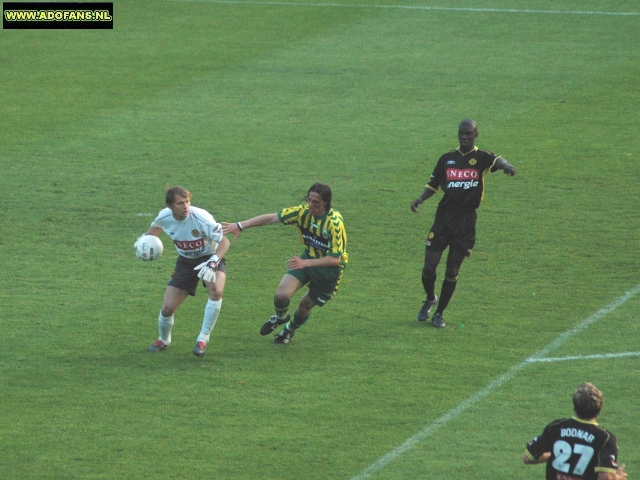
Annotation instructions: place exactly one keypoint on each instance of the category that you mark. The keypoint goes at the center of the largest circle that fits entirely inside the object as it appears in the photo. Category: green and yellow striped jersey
(322, 236)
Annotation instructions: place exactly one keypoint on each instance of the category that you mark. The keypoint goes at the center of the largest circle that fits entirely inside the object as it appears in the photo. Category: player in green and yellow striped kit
(320, 266)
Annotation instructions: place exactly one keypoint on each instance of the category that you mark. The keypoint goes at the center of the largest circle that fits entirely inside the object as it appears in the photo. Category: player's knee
(167, 311)
(215, 294)
(428, 271)
(281, 299)
(451, 278)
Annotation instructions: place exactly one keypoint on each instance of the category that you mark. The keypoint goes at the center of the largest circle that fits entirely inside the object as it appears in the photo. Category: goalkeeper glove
(208, 269)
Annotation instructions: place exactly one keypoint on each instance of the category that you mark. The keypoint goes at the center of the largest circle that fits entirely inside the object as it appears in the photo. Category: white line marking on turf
(418, 7)
(584, 357)
(451, 414)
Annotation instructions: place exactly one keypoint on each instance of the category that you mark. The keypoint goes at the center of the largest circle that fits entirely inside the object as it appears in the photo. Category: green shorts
(323, 282)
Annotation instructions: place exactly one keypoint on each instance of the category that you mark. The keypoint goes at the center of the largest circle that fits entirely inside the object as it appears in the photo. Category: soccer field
(246, 104)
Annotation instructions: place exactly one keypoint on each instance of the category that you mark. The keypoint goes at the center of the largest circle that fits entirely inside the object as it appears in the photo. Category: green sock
(296, 322)
(281, 308)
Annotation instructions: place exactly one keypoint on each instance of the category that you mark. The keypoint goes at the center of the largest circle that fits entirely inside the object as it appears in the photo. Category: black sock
(448, 288)
(429, 286)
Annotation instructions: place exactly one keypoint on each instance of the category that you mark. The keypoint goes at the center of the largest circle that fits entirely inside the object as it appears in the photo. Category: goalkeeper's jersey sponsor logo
(190, 244)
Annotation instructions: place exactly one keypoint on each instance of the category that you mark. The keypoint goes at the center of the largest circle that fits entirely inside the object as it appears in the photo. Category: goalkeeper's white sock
(211, 312)
(164, 325)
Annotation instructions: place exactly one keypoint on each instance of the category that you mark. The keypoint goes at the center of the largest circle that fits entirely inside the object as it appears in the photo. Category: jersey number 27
(562, 451)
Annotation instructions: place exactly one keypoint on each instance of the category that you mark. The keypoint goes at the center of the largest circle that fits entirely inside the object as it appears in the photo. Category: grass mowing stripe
(585, 357)
(418, 7)
(451, 414)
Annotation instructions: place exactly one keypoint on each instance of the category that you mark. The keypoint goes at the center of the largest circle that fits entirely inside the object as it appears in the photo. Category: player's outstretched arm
(260, 220)
(505, 166)
(155, 231)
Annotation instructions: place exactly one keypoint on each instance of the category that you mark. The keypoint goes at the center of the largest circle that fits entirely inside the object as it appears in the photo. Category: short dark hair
(587, 401)
(324, 191)
(173, 192)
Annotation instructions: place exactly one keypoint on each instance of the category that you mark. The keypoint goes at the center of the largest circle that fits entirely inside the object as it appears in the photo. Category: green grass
(246, 106)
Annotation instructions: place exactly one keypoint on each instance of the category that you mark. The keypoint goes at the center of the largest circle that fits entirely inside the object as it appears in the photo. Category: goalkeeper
(320, 266)
(201, 246)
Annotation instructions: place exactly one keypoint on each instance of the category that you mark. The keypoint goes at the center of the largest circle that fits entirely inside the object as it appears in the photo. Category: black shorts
(186, 278)
(453, 229)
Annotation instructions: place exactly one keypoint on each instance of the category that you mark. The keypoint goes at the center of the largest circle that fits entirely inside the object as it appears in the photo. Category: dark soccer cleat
(199, 349)
(283, 337)
(437, 320)
(427, 305)
(273, 323)
(159, 346)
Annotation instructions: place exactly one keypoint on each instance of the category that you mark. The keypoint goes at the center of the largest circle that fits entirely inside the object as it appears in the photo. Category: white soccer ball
(149, 248)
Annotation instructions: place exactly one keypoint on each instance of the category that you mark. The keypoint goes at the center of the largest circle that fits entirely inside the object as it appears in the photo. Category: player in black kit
(460, 175)
(578, 448)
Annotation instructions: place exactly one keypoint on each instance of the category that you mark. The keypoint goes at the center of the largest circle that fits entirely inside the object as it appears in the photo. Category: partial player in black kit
(460, 175)
(577, 448)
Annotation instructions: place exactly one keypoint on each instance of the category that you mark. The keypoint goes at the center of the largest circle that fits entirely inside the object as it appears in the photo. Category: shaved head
(468, 123)
(467, 134)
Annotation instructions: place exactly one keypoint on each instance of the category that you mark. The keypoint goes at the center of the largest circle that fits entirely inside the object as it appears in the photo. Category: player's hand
(415, 204)
(135, 244)
(620, 473)
(208, 269)
(509, 170)
(232, 228)
(295, 263)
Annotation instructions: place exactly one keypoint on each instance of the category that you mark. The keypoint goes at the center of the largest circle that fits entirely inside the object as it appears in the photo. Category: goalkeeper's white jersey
(193, 237)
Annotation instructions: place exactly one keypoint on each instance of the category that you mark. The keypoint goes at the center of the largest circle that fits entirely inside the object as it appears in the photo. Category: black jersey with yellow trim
(321, 236)
(461, 177)
(580, 449)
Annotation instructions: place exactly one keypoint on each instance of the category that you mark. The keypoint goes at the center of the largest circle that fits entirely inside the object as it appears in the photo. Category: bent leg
(288, 286)
(302, 313)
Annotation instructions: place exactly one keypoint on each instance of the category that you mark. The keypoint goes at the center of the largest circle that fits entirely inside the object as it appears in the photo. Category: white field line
(417, 7)
(584, 357)
(477, 397)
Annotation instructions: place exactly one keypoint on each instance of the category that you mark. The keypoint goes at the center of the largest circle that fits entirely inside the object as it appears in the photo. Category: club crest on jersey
(473, 161)
(195, 233)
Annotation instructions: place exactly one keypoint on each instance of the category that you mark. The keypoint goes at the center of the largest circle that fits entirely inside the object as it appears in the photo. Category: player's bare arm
(154, 231)
(505, 166)
(223, 247)
(297, 263)
(427, 193)
(619, 475)
(260, 220)
(528, 460)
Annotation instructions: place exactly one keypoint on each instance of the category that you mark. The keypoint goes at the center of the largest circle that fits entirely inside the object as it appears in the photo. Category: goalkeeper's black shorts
(186, 278)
